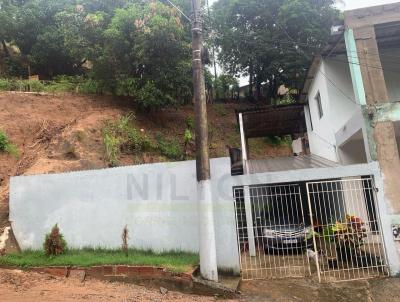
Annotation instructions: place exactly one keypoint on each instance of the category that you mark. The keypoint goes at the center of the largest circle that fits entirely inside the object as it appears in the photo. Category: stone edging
(144, 275)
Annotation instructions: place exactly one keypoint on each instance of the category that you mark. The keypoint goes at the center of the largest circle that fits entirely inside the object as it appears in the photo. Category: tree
(147, 44)
(271, 41)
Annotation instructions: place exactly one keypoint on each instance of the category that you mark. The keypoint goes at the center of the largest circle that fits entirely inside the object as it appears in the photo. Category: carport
(303, 215)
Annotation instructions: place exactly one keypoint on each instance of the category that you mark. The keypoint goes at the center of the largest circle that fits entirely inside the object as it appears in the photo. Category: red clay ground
(19, 286)
(64, 133)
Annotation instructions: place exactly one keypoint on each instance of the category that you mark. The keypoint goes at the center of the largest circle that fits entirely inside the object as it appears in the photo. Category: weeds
(122, 135)
(277, 141)
(112, 145)
(6, 146)
(169, 148)
(125, 237)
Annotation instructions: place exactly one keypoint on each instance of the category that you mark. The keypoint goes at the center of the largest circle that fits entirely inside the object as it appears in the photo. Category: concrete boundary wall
(158, 203)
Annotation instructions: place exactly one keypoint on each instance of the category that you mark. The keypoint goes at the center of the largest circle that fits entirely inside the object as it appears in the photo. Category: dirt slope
(64, 133)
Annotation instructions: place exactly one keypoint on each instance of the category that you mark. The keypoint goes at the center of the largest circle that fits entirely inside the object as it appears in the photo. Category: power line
(179, 10)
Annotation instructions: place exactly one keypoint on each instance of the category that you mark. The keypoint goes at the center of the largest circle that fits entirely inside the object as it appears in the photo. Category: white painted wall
(333, 81)
(158, 203)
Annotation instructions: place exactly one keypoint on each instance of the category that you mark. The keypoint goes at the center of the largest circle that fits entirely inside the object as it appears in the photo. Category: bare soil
(20, 286)
(59, 133)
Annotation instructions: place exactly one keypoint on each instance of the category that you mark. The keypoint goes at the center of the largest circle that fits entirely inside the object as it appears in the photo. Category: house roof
(309, 161)
(273, 120)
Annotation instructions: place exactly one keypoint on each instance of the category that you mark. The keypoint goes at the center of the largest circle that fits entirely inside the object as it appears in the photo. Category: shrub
(62, 84)
(112, 145)
(54, 243)
(36, 86)
(169, 148)
(121, 135)
(7, 146)
(5, 85)
(89, 87)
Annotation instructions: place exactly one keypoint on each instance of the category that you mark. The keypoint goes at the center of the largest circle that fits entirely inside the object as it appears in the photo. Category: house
(349, 114)
(328, 212)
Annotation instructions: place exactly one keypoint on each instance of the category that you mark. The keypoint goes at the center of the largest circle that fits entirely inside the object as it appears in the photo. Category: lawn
(174, 261)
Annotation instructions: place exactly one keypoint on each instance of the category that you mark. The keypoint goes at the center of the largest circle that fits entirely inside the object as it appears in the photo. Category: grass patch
(173, 260)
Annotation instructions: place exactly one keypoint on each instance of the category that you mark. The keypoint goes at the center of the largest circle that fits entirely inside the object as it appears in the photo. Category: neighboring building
(335, 94)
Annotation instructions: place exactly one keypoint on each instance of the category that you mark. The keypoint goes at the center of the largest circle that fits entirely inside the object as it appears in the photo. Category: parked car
(283, 235)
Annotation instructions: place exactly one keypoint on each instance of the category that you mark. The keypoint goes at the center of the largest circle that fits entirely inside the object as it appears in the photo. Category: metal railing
(330, 228)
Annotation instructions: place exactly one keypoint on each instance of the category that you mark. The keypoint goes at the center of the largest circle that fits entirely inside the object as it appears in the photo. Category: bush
(89, 87)
(170, 148)
(54, 243)
(150, 97)
(36, 86)
(112, 146)
(7, 146)
(5, 85)
(121, 135)
(63, 84)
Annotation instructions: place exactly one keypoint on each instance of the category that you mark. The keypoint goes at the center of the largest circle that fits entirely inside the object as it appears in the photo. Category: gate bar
(249, 221)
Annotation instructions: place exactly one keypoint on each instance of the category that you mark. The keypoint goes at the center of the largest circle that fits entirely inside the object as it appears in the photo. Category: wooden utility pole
(208, 258)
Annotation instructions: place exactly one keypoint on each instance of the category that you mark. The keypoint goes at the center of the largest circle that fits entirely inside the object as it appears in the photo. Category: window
(319, 105)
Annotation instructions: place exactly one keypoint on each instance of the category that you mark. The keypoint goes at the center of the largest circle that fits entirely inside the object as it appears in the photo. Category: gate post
(249, 221)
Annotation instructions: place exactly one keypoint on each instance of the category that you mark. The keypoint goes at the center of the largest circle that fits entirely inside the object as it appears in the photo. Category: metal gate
(330, 228)
(272, 232)
(348, 244)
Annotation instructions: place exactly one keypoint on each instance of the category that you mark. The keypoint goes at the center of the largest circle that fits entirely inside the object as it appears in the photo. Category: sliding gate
(330, 229)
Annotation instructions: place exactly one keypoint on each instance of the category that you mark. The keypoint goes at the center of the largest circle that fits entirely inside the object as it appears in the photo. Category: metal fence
(346, 223)
(330, 228)
(272, 232)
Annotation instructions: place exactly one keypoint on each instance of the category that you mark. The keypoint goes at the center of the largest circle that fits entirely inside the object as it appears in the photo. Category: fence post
(249, 221)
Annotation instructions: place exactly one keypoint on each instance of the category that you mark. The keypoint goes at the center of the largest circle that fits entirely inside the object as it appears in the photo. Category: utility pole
(208, 257)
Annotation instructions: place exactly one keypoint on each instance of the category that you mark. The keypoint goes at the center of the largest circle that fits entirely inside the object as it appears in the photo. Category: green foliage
(170, 148)
(54, 243)
(122, 135)
(36, 86)
(277, 141)
(6, 146)
(62, 84)
(5, 85)
(112, 145)
(264, 39)
(89, 86)
(189, 123)
(187, 136)
(226, 87)
(139, 49)
(174, 260)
